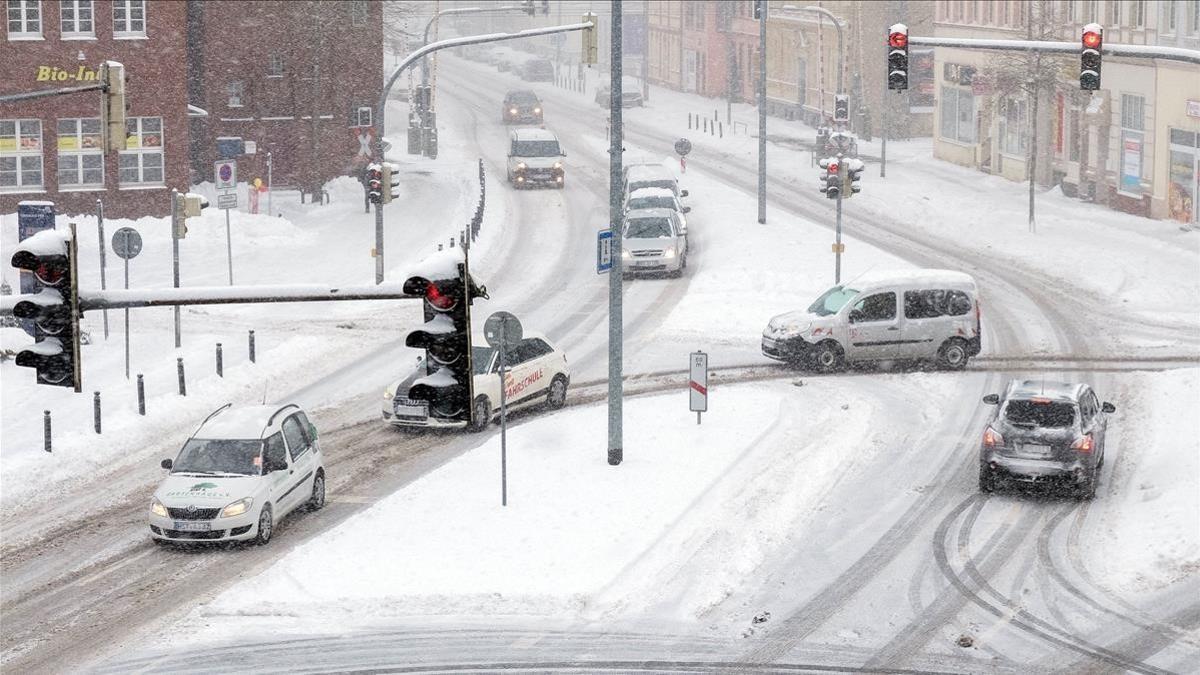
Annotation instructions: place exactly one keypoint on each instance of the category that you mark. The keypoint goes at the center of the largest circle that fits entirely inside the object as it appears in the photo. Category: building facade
(50, 148)
(300, 79)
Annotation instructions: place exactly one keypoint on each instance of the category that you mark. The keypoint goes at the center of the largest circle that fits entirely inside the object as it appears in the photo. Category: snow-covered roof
(244, 422)
(533, 134)
(945, 278)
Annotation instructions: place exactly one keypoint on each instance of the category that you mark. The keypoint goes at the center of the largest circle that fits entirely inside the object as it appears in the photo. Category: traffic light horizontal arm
(1116, 50)
(61, 91)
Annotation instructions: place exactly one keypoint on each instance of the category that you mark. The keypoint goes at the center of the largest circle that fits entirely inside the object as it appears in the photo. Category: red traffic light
(834, 168)
(1092, 40)
(440, 300)
(898, 40)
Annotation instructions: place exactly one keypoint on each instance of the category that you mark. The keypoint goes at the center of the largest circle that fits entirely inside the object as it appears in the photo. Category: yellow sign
(8, 144)
(839, 248)
(56, 74)
(257, 183)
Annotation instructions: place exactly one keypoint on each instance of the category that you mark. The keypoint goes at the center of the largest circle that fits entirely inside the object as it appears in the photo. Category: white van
(535, 157)
(916, 315)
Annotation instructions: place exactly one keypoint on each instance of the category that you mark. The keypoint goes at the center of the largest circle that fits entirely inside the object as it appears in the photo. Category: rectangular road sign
(227, 200)
(225, 174)
(698, 382)
(604, 261)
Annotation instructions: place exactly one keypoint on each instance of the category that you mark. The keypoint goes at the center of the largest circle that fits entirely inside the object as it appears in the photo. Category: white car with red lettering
(536, 373)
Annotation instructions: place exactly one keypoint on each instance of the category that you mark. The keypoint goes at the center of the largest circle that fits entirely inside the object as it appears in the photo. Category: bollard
(689, 121)
(46, 429)
(182, 383)
(141, 396)
(715, 115)
(251, 346)
(451, 242)
(440, 246)
(96, 409)
(713, 128)
(220, 368)
(722, 127)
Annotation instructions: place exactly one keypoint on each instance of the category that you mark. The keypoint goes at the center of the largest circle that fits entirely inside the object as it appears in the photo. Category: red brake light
(1091, 40)
(1039, 399)
(1084, 444)
(992, 439)
(898, 40)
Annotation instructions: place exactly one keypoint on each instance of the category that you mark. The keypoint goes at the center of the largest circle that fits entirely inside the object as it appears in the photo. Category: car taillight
(1084, 444)
(992, 439)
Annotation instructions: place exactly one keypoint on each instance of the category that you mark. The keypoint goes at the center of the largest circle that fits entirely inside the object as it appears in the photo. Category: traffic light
(841, 108)
(448, 383)
(1089, 57)
(375, 183)
(898, 57)
(831, 182)
(588, 51)
(852, 169)
(527, 5)
(188, 206)
(112, 106)
(389, 180)
(546, 7)
(758, 9)
(53, 311)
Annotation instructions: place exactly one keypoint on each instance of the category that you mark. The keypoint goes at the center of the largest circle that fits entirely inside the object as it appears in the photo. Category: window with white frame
(129, 18)
(275, 65)
(20, 155)
(141, 163)
(361, 117)
(80, 154)
(75, 18)
(958, 115)
(1012, 126)
(24, 19)
(358, 13)
(237, 93)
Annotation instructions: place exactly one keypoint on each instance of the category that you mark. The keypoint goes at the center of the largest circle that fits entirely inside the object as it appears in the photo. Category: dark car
(537, 70)
(1045, 432)
(521, 107)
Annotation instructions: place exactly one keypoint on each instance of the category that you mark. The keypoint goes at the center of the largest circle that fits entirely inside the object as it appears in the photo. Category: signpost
(682, 147)
(127, 244)
(698, 383)
(502, 331)
(225, 171)
(604, 261)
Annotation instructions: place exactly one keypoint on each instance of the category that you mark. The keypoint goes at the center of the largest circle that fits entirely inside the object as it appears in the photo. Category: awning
(194, 111)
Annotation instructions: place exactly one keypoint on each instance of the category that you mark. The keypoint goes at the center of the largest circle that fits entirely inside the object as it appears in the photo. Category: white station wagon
(536, 372)
(241, 472)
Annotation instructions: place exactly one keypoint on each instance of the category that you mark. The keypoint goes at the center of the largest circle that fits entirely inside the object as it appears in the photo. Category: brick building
(300, 78)
(50, 147)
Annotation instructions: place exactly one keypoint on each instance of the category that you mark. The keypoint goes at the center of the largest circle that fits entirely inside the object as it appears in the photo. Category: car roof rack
(276, 414)
(210, 416)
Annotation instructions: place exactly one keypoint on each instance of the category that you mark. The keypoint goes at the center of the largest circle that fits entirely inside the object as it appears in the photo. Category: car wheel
(953, 355)
(557, 397)
(317, 501)
(483, 414)
(266, 526)
(987, 479)
(827, 357)
(1087, 489)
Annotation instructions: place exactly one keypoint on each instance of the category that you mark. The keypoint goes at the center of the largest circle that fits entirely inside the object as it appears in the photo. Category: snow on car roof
(651, 192)
(240, 423)
(1064, 391)
(948, 278)
(534, 134)
(648, 172)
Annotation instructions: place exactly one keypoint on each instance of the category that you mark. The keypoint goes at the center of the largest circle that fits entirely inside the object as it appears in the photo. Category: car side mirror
(856, 315)
(687, 209)
(167, 464)
(992, 399)
(562, 154)
(683, 193)
(1108, 407)
(312, 430)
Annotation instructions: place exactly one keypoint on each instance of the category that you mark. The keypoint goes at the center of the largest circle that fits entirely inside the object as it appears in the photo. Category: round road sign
(127, 242)
(226, 172)
(683, 146)
(502, 323)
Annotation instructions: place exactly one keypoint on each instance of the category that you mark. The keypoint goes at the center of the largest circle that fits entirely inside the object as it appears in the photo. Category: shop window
(20, 155)
(141, 163)
(80, 153)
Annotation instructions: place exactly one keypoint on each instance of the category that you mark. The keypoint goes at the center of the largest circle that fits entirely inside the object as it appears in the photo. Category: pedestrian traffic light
(588, 53)
(112, 106)
(841, 108)
(375, 184)
(1089, 57)
(897, 59)
(447, 386)
(831, 182)
(389, 180)
(851, 169)
(53, 312)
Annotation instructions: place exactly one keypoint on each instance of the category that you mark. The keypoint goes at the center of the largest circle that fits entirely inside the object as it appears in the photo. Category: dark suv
(521, 107)
(1045, 432)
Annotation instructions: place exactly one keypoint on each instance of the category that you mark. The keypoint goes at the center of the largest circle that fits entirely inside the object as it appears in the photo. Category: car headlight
(537, 111)
(512, 111)
(388, 394)
(625, 254)
(157, 508)
(520, 166)
(558, 166)
(669, 252)
(237, 508)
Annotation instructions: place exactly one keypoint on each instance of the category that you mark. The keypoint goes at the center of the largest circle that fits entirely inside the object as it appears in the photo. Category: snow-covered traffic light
(112, 106)
(897, 60)
(447, 386)
(831, 181)
(53, 312)
(546, 7)
(375, 183)
(1089, 58)
(841, 108)
(389, 181)
(527, 6)
(588, 49)
(851, 169)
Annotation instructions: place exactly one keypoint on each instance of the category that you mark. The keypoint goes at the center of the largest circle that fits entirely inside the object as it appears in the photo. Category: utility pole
(175, 216)
(762, 111)
(616, 219)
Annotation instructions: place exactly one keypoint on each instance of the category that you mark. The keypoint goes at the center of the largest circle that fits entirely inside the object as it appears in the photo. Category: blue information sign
(604, 251)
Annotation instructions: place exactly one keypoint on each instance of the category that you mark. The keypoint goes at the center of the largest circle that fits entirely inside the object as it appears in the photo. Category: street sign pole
(698, 383)
(103, 261)
(127, 243)
(503, 421)
(616, 218)
(175, 216)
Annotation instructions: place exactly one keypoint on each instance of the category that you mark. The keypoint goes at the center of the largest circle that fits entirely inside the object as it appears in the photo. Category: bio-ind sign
(56, 74)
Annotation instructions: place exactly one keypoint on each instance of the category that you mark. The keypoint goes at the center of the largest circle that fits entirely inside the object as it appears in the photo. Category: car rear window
(1040, 413)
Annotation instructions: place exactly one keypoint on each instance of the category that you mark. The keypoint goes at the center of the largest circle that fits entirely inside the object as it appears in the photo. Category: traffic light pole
(175, 216)
(616, 217)
(762, 111)
(407, 63)
(837, 246)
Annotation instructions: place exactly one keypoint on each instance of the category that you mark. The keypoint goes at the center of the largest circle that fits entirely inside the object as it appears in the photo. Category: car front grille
(184, 534)
(647, 253)
(195, 514)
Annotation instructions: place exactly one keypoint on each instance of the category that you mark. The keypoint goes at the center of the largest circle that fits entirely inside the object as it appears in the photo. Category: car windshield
(651, 203)
(535, 148)
(523, 98)
(208, 455)
(1040, 413)
(481, 358)
(658, 183)
(647, 228)
(832, 300)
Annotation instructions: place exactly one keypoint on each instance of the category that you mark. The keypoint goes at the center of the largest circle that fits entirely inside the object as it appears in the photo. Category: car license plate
(409, 409)
(1037, 450)
(192, 526)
